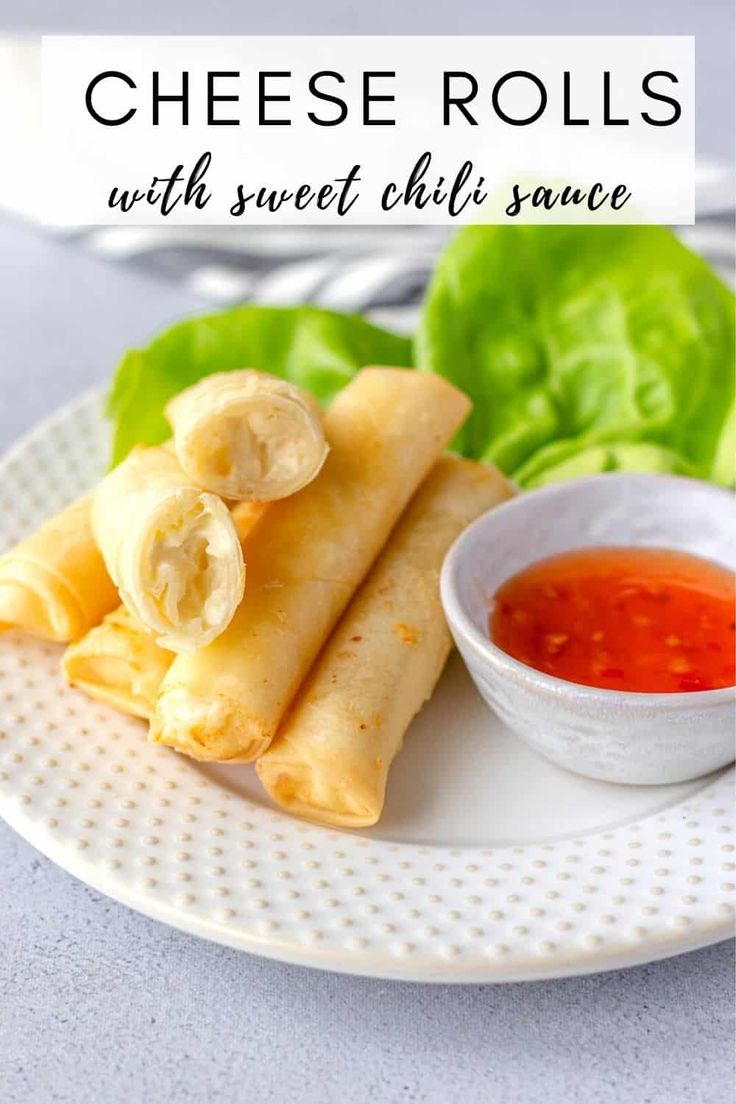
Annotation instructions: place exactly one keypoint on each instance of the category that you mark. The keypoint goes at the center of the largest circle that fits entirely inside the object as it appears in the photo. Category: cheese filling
(262, 446)
(190, 577)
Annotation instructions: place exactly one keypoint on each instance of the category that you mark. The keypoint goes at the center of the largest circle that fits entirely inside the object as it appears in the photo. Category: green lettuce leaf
(584, 349)
(317, 349)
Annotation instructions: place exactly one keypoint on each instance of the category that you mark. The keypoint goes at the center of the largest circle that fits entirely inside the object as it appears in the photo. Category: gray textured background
(99, 1005)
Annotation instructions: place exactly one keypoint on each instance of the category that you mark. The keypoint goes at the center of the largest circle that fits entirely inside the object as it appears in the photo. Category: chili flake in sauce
(643, 619)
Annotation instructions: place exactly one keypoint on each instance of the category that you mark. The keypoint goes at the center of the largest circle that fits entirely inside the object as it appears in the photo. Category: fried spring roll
(55, 584)
(246, 515)
(248, 436)
(119, 662)
(330, 759)
(306, 558)
(172, 549)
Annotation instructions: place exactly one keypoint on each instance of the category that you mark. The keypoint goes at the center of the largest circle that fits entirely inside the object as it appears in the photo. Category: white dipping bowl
(614, 735)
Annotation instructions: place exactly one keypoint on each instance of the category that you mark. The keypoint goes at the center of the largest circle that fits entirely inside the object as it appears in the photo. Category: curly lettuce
(584, 349)
(317, 349)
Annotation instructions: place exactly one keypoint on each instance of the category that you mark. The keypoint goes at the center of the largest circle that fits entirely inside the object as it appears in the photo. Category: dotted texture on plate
(147, 827)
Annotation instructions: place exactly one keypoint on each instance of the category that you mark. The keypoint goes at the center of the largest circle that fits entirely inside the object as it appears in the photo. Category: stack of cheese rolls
(265, 586)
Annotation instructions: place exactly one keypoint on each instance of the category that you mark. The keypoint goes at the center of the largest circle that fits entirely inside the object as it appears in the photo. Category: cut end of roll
(248, 436)
(111, 687)
(210, 729)
(189, 578)
(45, 610)
(118, 663)
(299, 789)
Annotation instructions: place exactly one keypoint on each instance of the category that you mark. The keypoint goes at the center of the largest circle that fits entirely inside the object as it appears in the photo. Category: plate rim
(429, 970)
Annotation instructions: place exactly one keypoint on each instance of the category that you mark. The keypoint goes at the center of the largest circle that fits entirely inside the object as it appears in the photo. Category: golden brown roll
(330, 759)
(246, 516)
(305, 559)
(119, 663)
(55, 584)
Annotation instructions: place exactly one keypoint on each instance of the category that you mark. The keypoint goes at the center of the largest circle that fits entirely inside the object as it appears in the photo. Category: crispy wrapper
(330, 759)
(307, 556)
(55, 584)
(118, 662)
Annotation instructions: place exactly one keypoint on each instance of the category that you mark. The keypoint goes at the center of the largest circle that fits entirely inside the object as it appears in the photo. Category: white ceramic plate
(490, 864)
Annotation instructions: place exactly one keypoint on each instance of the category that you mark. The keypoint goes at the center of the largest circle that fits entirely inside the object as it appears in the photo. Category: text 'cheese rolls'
(330, 759)
(247, 435)
(172, 549)
(54, 584)
(307, 556)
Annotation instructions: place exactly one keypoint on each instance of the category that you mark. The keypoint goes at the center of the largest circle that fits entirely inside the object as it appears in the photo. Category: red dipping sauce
(644, 619)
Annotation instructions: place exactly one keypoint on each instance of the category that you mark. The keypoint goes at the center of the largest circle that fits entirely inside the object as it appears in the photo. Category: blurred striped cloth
(371, 270)
(375, 270)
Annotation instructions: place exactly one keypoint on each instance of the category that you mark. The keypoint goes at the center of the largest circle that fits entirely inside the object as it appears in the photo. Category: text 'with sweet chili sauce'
(644, 619)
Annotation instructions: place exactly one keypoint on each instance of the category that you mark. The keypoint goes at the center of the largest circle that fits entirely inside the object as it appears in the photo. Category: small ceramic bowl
(614, 735)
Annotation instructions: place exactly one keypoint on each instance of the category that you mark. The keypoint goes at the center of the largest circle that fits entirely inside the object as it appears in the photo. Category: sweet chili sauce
(643, 619)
